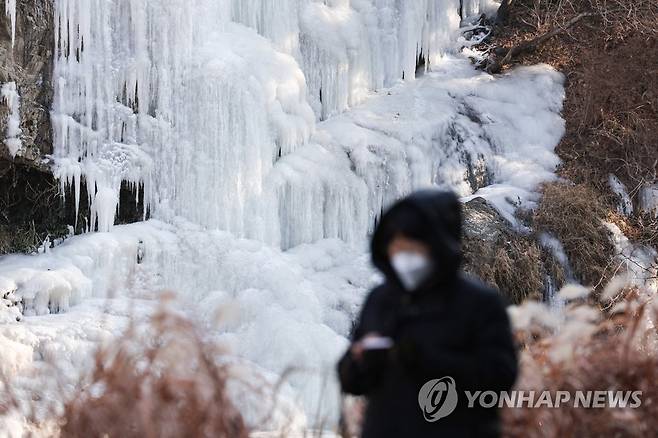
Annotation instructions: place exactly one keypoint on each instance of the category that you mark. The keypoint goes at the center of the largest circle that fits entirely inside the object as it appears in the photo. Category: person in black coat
(427, 321)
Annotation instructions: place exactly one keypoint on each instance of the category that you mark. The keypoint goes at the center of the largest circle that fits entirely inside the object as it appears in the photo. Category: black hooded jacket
(450, 326)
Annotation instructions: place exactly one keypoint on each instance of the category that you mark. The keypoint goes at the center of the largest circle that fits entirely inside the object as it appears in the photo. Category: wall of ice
(196, 102)
(455, 127)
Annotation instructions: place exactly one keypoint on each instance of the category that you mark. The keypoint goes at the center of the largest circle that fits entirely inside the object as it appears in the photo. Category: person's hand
(358, 347)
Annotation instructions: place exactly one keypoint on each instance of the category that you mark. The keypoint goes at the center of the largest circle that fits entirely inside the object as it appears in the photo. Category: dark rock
(31, 208)
(30, 205)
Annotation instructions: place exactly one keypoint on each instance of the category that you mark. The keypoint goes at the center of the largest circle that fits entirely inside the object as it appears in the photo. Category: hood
(431, 216)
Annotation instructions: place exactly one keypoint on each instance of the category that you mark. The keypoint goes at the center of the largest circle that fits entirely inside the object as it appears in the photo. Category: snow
(637, 263)
(10, 310)
(271, 309)
(11, 98)
(10, 11)
(649, 199)
(624, 203)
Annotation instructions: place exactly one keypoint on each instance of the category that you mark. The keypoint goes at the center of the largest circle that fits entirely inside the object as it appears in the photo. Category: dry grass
(24, 239)
(616, 353)
(573, 213)
(169, 386)
(642, 228)
(515, 267)
(510, 261)
(31, 209)
(160, 378)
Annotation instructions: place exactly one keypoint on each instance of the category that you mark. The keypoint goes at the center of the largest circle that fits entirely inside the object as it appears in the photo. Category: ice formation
(624, 203)
(649, 199)
(638, 263)
(10, 11)
(191, 102)
(10, 307)
(258, 162)
(294, 308)
(11, 98)
(275, 310)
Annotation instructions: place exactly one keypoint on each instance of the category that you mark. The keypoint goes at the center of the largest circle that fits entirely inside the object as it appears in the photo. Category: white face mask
(411, 268)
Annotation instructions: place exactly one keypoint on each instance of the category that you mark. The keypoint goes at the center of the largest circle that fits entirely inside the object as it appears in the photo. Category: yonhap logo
(438, 398)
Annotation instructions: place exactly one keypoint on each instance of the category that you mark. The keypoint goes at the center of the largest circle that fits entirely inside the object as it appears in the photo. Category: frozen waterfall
(186, 99)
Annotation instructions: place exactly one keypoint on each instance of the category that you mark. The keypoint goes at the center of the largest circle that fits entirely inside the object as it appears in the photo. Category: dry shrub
(514, 267)
(614, 352)
(512, 262)
(573, 213)
(161, 384)
(31, 208)
(641, 229)
(19, 239)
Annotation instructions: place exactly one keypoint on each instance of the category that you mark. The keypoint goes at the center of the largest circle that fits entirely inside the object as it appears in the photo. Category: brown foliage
(608, 51)
(169, 386)
(502, 257)
(618, 356)
(573, 213)
(514, 267)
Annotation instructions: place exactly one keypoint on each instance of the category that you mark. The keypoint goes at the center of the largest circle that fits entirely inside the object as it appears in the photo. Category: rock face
(31, 203)
(29, 64)
(504, 258)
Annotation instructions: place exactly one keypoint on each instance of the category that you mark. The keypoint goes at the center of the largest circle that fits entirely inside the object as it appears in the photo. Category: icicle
(10, 11)
(103, 208)
(11, 98)
(649, 199)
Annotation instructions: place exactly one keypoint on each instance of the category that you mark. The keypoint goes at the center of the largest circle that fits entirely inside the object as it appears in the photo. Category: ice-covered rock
(10, 97)
(649, 199)
(624, 203)
(10, 304)
(637, 263)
